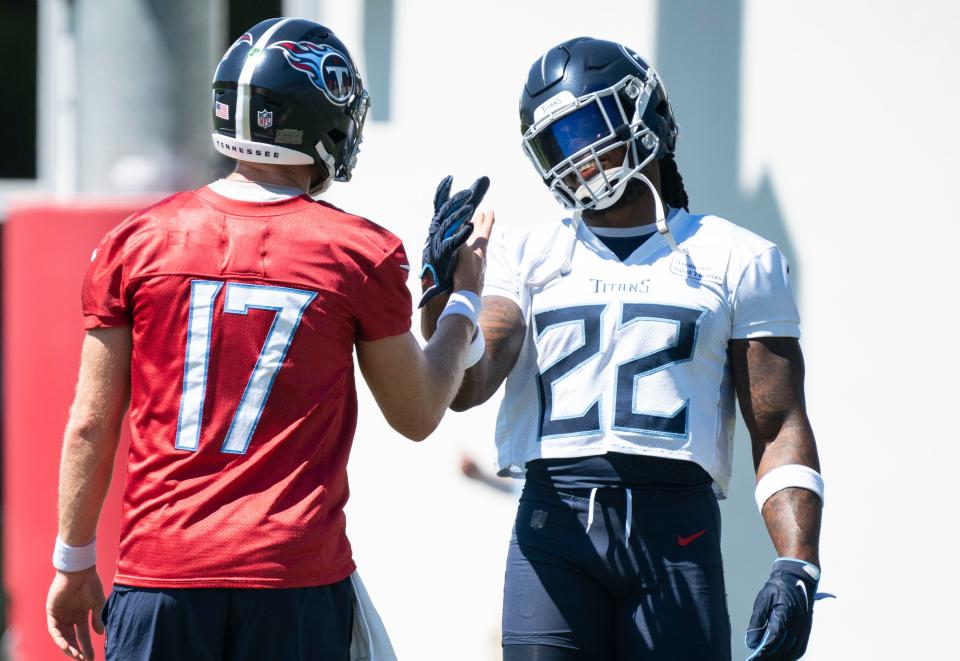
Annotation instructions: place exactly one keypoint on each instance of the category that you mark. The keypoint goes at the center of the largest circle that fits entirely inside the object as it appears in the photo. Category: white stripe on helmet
(255, 54)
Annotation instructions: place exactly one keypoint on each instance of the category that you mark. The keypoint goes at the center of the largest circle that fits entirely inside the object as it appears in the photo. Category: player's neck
(293, 176)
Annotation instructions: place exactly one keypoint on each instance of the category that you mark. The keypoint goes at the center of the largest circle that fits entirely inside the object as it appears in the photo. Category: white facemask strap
(331, 167)
(554, 261)
(662, 226)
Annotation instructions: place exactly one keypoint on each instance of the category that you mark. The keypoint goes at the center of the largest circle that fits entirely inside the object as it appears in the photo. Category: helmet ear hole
(336, 135)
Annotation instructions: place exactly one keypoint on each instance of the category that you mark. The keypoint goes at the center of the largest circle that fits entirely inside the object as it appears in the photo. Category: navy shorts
(655, 594)
(201, 624)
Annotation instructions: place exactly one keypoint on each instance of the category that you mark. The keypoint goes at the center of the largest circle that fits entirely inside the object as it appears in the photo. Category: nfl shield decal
(538, 519)
(264, 118)
(328, 70)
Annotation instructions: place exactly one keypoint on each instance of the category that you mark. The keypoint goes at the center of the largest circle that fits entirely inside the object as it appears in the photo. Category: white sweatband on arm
(475, 351)
(463, 302)
(785, 477)
(74, 558)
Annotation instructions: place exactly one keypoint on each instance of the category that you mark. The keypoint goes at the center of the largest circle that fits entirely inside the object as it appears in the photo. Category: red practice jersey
(243, 404)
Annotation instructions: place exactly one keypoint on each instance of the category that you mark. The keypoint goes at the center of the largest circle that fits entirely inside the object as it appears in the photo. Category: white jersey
(631, 356)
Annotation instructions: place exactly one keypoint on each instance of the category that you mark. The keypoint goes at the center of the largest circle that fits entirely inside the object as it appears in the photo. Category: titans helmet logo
(328, 70)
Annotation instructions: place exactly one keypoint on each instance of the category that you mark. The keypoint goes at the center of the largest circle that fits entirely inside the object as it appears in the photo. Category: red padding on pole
(46, 251)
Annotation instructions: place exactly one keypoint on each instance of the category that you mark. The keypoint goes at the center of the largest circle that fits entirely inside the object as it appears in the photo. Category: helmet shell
(585, 65)
(288, 92)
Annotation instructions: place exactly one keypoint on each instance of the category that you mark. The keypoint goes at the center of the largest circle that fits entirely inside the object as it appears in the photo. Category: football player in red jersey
(226, 319)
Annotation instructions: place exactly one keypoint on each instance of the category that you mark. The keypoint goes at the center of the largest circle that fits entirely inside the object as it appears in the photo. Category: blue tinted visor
(584, 127)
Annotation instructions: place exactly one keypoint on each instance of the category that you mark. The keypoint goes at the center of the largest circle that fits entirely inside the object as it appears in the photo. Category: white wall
(852, 108)
(846, 120)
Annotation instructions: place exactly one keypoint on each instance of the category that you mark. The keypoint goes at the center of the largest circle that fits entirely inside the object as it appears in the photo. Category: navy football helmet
(586, 98)
(287, 92)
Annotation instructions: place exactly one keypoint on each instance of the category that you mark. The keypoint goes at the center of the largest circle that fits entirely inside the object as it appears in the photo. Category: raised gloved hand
(449, 229)
(783, 612)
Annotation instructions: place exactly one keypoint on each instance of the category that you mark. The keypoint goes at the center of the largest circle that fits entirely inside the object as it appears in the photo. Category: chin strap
(320, 188)
(330, 164)
(662, 226)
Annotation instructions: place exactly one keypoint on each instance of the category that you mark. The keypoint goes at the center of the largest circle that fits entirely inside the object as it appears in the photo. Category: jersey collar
(254, 199)
(252, 191)
(649, 247)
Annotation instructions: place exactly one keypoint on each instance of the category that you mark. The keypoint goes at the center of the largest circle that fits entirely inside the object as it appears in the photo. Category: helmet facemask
(358, 113)
(569, 136)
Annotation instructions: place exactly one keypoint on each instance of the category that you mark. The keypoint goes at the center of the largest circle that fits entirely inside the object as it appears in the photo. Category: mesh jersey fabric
(631, 356)
(269, 514)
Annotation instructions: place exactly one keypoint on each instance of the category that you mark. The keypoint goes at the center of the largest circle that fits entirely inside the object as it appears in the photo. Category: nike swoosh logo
(806, 598)
(405, 267)
(683, 541)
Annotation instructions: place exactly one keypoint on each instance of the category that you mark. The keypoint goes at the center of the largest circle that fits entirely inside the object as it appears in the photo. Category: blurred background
(828, 127)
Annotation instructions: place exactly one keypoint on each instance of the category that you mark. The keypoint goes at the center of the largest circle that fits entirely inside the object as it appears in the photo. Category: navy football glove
(783, 612)
(449, 229)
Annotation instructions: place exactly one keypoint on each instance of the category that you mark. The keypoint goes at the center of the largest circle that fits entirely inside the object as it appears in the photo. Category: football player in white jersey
(624, 332)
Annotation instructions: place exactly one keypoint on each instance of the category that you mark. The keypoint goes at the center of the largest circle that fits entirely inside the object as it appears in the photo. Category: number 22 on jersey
(288, 304)
(625, 417)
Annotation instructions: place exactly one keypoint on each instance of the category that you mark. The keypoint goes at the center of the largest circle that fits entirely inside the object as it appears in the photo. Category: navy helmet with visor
(586, 98)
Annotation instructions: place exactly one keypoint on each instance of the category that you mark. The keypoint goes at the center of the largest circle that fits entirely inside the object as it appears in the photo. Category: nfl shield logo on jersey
(265, 119)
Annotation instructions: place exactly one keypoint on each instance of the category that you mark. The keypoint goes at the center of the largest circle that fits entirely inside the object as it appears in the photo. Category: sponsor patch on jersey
(701, 264)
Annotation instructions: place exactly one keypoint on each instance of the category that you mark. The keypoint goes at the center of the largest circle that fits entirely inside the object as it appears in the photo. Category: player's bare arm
(414, 387)
(768, 374)
(502, 323)
(89, 446)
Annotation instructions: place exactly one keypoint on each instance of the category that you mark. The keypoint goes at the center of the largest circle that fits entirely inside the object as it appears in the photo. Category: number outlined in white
(203, 293)
(289, 305)
(625, 416)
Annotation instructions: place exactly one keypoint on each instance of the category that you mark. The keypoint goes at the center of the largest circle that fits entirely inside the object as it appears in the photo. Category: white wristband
(463, 302)
(74, 558)
(475, 352)
(784, 477)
